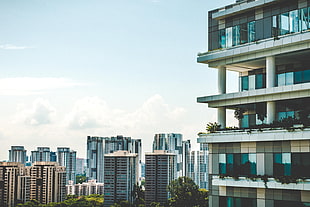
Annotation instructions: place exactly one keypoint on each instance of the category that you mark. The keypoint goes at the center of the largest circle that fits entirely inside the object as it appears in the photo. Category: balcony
(270, 183)
(255, 135)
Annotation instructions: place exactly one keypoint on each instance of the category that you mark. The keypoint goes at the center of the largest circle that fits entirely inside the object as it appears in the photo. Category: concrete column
(221, 80)
(221, 117)
(271, 82)
(271, 111)
(270, 71)
(221, 112)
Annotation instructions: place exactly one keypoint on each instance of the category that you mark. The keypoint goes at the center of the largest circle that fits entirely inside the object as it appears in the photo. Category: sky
(77, 68)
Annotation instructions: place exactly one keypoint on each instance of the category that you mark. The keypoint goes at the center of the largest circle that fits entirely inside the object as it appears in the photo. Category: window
(237, 164)
(244, 83)
(236, 35)
(251, 31)
(248, 164)
(229, 42)
(237, 202)
(251, 82)
(304, 19)
(294, 21)
(260, 81)
(244, 33)
(301, 164)
(284, 24)
(222, 38)
(282, 164)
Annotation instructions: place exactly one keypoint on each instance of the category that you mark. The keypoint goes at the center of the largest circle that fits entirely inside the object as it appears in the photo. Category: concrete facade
(265, 160)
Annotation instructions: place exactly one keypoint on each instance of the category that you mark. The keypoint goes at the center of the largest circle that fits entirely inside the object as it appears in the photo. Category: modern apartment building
(265, 162)
(17, 154)
(67, 158)
(47, 182)
(97, 147)
(80, 166)
(174, 143)
(44, 182)
(160, 170)
(9, 172)
(85, 188)
(120, 176)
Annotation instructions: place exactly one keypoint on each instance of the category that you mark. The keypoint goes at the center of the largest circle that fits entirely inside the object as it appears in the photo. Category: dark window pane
(298, 77)
(306, 76)
(244, 83)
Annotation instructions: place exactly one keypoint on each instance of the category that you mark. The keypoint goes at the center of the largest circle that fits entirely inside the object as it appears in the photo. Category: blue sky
(73, 68)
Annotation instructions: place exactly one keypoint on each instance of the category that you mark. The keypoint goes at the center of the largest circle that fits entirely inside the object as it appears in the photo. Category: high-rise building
(268, 44)
(198, 167)
(80, 166)
(120, 176)
(67, 158)
(17, 154)
(42, 154)
(9, 172)
(160, 170)
(98, 146)
(47, 182)
(174, 143)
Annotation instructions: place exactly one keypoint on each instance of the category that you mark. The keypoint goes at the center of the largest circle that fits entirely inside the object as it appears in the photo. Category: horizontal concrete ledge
(240, 8)
(254, 136)
(270, 184)
(259, 95)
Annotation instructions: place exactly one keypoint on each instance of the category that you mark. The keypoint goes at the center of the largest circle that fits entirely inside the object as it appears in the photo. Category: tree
(185, 193)
(138, 194)
(80, 178)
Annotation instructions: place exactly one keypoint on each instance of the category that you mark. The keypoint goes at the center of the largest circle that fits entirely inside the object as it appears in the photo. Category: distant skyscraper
(160, 170)
(98, 146)
(80, 166)
(42, 154)
(67, 158)
(17, 154)
(198, 167)
(120, 176)
(174, 143)
(9, 172)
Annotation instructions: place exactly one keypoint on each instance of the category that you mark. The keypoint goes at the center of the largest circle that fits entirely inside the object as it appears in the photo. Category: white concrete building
(265, 162)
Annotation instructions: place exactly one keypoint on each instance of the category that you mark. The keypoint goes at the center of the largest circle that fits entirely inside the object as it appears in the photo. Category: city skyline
(102, 68)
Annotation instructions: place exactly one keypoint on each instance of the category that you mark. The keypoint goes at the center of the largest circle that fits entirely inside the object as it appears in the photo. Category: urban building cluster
(113, 167)
(265, 161)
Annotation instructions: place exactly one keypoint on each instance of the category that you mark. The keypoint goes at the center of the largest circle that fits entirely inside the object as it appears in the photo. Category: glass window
(306, 76)
(301, 164)
(244, 83)
(290, 114)
(229, 42)
(251, 82)
(289, 78)
(222, 162)
(284, 24)
(236, 35)
(251, 31)
(245, 121)
(294, 21)
(260, 81)
(281, 79)
(230, 164)
(304, 19)
(222, 38)
(243, 33)
(248, 164)
(275, 27)
(282, 164)
(298, 76)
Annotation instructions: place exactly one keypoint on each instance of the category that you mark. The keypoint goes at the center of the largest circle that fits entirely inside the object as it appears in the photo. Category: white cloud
(21, 86)
(13, 47)
(40, 113)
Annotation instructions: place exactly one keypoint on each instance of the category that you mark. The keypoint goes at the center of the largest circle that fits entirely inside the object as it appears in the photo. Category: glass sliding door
(229, 42)
(251, 31)
(294, 21)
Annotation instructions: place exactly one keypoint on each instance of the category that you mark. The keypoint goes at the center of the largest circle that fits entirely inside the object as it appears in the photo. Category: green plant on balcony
(213, 127)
